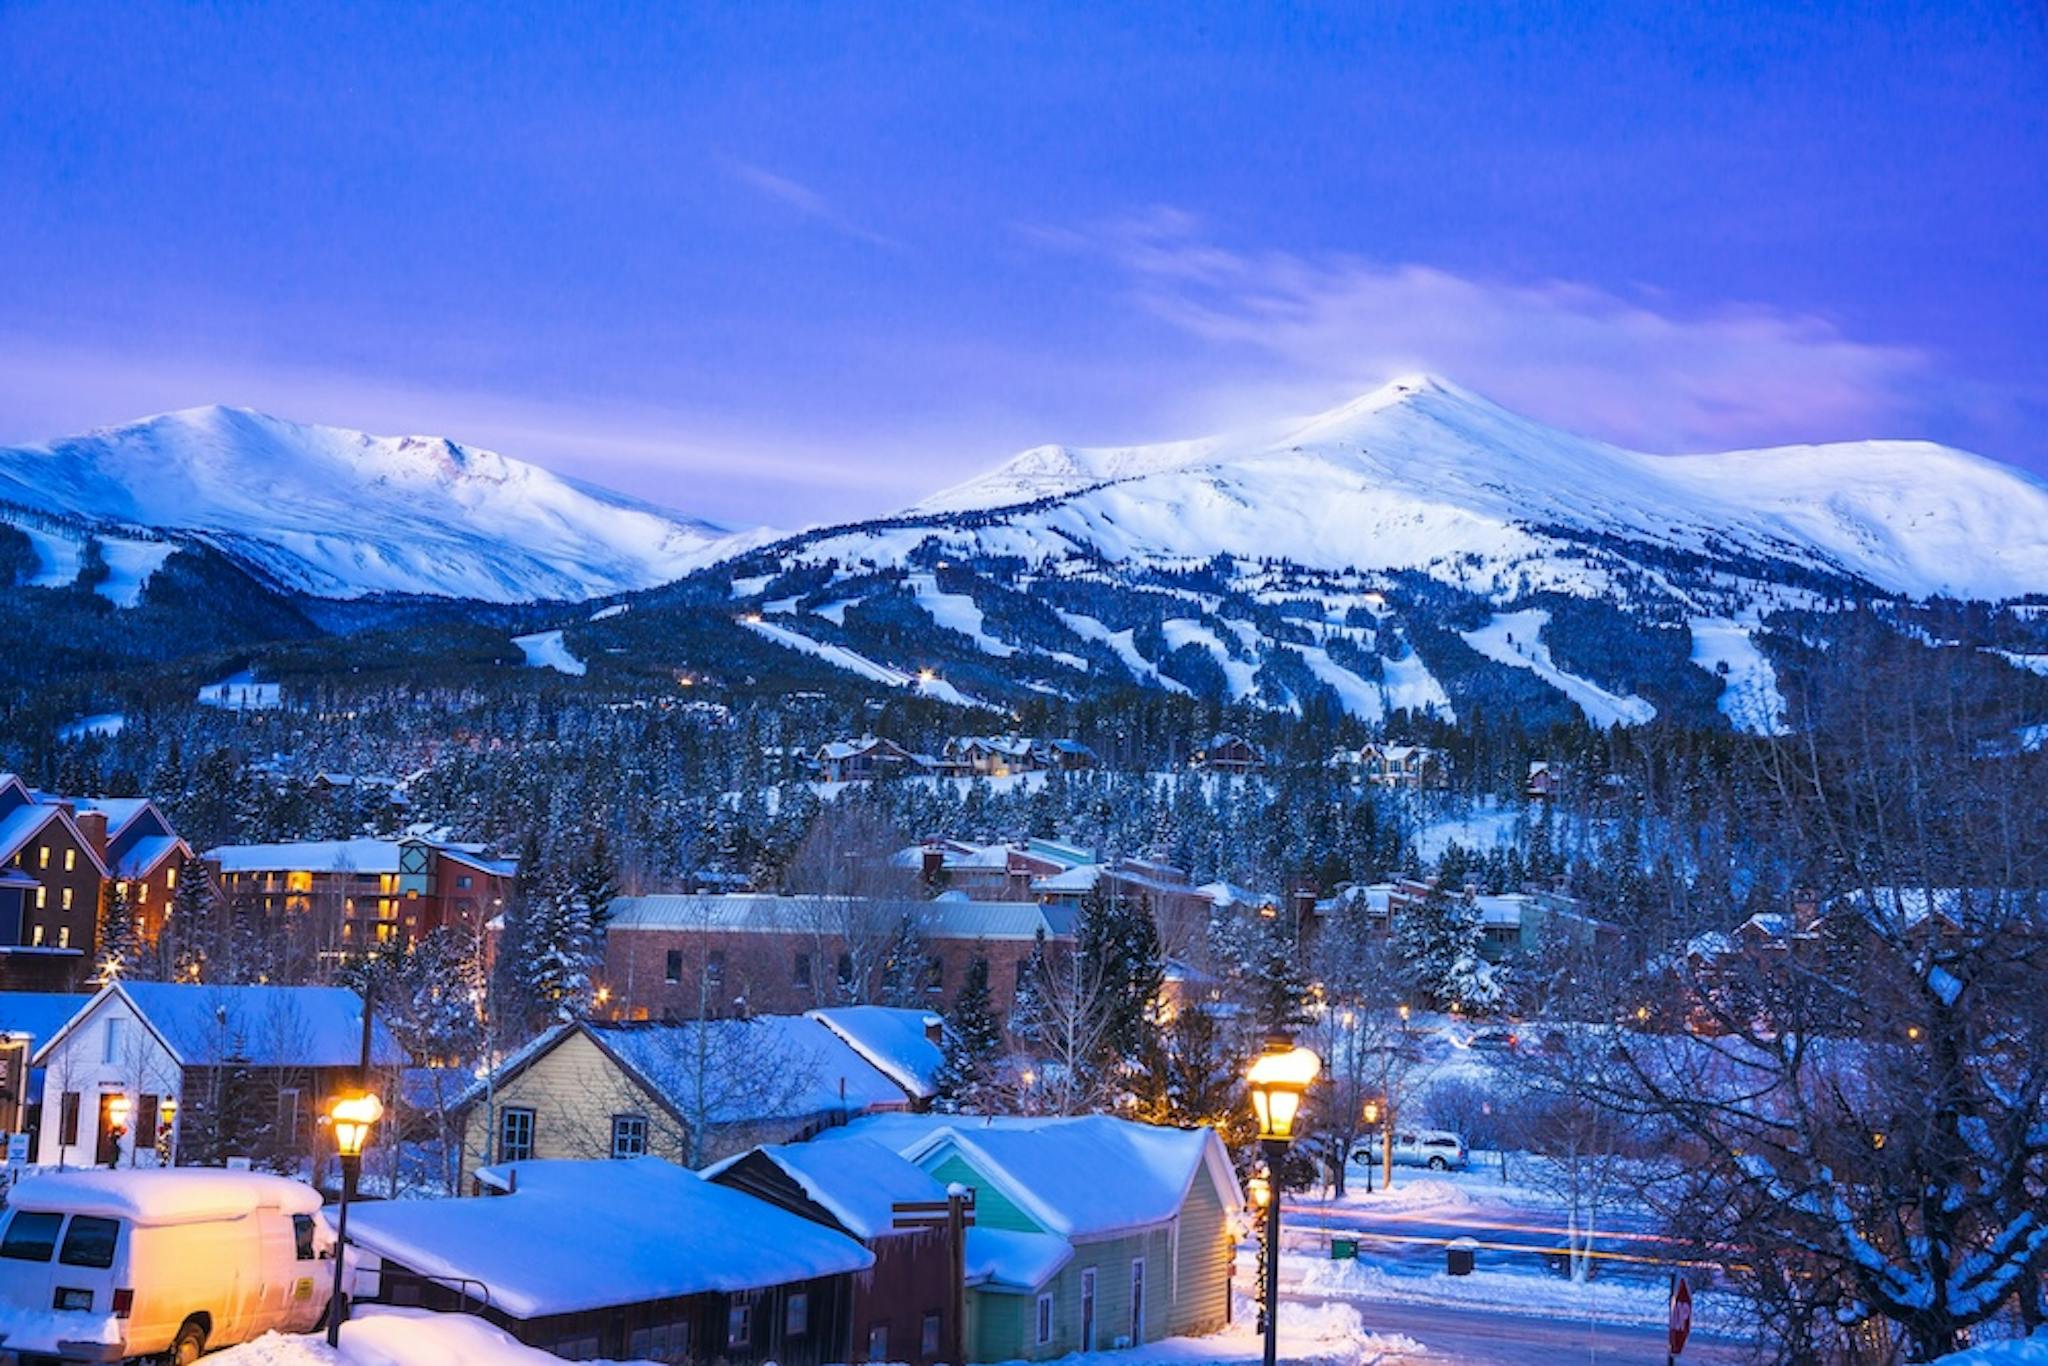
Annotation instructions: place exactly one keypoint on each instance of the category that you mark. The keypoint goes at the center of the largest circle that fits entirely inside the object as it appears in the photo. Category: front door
(108, 1151)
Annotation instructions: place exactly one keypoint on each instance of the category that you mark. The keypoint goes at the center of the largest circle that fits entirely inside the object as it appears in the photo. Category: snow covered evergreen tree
(974, 1043)
(118, 950)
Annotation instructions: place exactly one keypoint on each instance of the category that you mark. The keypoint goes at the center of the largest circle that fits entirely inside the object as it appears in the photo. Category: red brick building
(51, 870)
(354, 894)
(678, 957)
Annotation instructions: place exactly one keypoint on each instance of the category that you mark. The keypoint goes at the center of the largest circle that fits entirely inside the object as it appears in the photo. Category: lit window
(63, 936)
(43, 856)
(37, 941)
(70, 860)
(42, 897)
(145, 893)
(121, 889)
(171, 876)
(67, 898)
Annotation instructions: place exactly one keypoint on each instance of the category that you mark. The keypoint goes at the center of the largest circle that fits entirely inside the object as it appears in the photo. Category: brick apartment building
(357, 893)
(676, 957)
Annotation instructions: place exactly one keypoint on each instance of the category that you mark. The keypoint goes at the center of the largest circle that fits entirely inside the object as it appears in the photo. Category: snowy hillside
(341, 514)
(1418, 548)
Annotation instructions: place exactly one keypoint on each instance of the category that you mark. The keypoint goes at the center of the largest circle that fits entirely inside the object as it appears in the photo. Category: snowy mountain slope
(1380, 556)
(337, 513)
(1422, 471)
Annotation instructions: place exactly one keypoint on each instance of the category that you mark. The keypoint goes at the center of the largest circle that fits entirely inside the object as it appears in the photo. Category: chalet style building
(1406, 768)
(869, 757)
(1543, 781)
(248, 1069)
(902, 1310)
(357, 894)
(52, 868)
(685, 957)
(694, 1091)
(1229, 754)
(636, 1260)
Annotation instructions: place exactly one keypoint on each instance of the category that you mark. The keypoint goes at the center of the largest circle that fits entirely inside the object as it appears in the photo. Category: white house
(246, 1071)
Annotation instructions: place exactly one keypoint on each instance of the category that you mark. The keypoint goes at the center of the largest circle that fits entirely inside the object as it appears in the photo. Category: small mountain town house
(27, 1018)
(687, 957)
(52, 865)
(1409, 768)
(902, 1305)
(848, 761)
(1229, 754)
(1089, 1233)
(355, 894)
(1543, 780)
(247, 1070)
(994, 756)
(638, 1260)
(989, 872)
(691, 1092)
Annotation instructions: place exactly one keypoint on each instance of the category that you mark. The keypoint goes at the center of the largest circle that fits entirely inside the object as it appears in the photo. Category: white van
(105, 1265)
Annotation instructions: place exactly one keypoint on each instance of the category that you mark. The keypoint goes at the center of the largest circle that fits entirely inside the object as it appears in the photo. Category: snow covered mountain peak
(341, 513)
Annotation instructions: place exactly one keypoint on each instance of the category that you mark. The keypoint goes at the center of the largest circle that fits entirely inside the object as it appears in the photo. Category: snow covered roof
(1078, 1177)
(856, 1181)
(1228, 894)
(1503, 912)
(1008, 1259)
(264, 1026)
(896, 1041)
(37, 1015)
(137, 858)
(584, 1235)
(816, 1071)
(158, 1196)
(308, 856)
(750, 913)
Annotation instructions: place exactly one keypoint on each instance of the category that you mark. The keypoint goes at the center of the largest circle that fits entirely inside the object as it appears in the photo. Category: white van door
(28, 1252)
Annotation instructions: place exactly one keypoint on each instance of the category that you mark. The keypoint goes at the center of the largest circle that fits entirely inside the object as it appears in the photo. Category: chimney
(934, 863)
(93, 825)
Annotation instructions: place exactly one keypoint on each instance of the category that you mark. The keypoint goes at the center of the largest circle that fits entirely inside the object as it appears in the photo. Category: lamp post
(1372, 1122)
(1278, 1079)
(1258, 1188)
(353, 1117)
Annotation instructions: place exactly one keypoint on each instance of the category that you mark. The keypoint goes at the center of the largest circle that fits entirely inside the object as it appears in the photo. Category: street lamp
(1372, 1122)
(166, 1122)
(1278, 1079)
(119, 1111)
(353, 1117)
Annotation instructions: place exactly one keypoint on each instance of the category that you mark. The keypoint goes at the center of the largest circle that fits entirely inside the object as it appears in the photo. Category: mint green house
(1090, 1233)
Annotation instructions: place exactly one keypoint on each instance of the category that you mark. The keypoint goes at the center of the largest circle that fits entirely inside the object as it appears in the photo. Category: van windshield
(31, 1236)
(90, 1242)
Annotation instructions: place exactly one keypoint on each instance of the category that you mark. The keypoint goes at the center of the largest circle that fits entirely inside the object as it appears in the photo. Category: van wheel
(1437, 1164)
(190, 1344)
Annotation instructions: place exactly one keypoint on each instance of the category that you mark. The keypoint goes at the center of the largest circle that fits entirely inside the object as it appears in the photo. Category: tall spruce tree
(118, 947)
(974, 1042)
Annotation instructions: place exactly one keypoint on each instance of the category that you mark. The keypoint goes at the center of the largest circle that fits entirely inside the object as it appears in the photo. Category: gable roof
(1087, 1177)
(857, 1182)
(761, 1067)
(264, 1026)
(24, 821)
(662, 1233)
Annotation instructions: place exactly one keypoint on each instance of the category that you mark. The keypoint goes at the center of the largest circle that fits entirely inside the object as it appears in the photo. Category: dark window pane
(90, 1242)
(31, 1236)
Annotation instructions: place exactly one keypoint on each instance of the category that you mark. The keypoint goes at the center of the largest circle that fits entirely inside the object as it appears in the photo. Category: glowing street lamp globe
(353, 1117)
(119, 1110)
(1278, 1080)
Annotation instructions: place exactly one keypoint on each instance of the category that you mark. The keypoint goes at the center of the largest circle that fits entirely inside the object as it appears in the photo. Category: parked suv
(1437, 1149)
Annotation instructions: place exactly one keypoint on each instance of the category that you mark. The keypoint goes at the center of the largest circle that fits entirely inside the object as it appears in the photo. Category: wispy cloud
(807, 202)
(1637, 370)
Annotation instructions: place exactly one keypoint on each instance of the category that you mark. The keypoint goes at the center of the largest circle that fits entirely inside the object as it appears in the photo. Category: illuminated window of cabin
(171, 876)
(70, 860)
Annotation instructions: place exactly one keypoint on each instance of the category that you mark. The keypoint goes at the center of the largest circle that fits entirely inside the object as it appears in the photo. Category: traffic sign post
(1681, 1319)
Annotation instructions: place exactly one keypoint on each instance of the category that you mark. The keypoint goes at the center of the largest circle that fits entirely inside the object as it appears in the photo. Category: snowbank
(379, 1335)
(2031, 1351)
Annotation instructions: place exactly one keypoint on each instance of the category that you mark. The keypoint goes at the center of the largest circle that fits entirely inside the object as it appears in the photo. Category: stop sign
(1681, 1314)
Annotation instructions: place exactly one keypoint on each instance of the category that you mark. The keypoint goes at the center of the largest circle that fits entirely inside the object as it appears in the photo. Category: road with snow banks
(1492, 1337)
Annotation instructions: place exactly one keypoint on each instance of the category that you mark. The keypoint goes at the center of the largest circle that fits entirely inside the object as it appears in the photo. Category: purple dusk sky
(769, 261)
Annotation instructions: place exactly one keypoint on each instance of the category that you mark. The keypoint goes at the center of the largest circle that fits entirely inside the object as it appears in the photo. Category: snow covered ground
(1515, 639)
(376, 1335)
(957, 612)
(546, 650)
(241, 692)
(2031, 1351)
(1750, 698)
